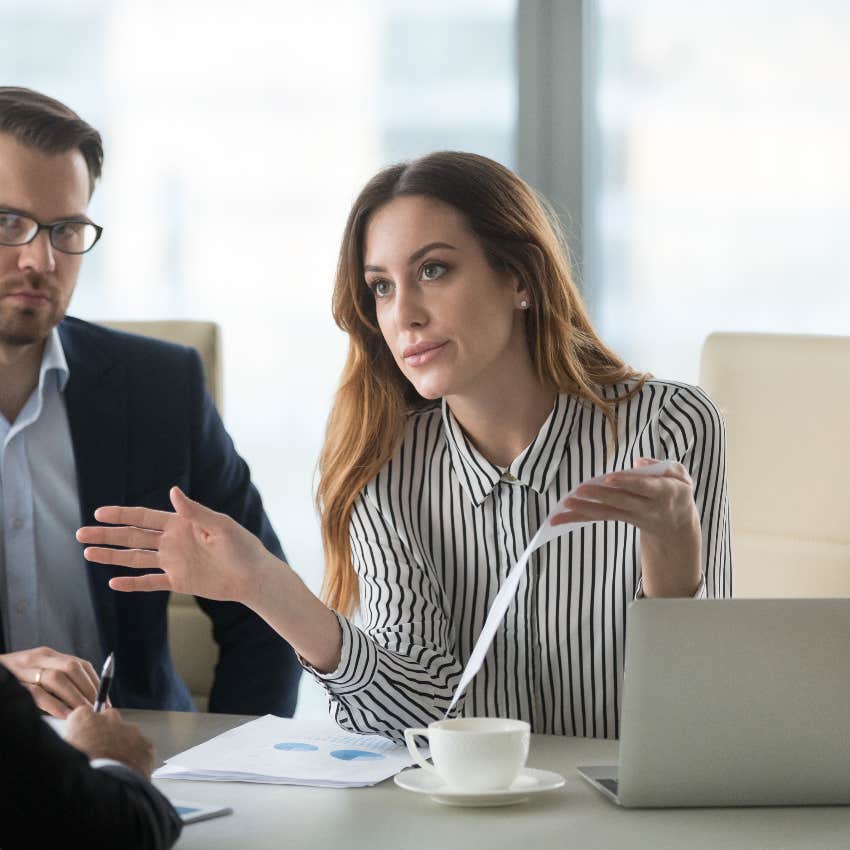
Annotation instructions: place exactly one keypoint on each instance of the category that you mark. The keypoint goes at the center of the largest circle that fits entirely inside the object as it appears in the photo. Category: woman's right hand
(200, 551)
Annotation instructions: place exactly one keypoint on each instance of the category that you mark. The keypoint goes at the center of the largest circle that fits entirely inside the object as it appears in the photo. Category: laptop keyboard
(609, 784)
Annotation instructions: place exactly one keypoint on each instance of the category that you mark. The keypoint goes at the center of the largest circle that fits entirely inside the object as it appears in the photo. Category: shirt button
(508, 477)
(17, 523)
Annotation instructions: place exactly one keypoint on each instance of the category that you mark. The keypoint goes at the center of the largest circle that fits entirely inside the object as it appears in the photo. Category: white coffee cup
(473, 753)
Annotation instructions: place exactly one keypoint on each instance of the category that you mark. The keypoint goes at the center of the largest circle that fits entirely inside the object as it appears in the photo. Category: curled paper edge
(507, 591)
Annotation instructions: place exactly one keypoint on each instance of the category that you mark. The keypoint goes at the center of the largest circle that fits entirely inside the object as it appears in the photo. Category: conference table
(386, 816)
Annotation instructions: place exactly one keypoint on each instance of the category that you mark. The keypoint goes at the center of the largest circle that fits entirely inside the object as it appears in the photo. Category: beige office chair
(786, 400)
(193, 649)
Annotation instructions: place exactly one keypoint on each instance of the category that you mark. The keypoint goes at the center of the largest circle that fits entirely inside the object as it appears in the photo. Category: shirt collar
(53, 360)
(53, 363)
(535, 467)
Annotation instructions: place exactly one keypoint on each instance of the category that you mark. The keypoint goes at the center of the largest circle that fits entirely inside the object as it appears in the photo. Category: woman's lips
(420, 355)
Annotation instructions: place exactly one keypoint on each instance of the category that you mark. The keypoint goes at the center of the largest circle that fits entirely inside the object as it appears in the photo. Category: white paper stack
(280, 751)
(56, 724)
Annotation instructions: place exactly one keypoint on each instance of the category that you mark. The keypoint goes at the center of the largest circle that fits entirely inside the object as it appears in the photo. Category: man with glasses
(90, 417)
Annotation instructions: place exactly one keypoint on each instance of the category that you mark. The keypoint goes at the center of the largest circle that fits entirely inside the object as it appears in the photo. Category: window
(719, 194)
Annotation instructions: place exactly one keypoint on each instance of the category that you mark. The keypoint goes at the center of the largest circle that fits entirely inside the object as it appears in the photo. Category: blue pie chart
(296, 746)
(355, 755)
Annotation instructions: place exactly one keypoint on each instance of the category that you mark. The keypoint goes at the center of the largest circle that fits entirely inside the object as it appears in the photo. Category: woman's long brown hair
(367, 420)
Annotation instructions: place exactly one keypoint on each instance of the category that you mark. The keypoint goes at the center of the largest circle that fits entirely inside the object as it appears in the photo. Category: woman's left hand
(663, 508)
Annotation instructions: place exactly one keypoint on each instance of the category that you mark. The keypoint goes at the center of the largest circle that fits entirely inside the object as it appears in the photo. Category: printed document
(278, 750)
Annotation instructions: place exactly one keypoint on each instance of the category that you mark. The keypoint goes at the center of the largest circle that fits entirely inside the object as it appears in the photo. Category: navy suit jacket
(142, 421)
(52, 797)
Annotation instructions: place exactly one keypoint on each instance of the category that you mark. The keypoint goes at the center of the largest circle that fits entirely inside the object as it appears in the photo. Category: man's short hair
(38, 121)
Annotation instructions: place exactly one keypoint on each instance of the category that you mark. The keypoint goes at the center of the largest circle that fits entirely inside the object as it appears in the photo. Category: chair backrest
(787, 408)
(205, 337)
(189, 630)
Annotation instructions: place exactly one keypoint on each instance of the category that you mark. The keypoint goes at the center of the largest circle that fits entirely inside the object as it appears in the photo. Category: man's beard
(28, 325)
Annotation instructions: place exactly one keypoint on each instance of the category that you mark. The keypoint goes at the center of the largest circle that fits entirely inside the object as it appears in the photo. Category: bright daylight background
(719, 174)
(716, 175)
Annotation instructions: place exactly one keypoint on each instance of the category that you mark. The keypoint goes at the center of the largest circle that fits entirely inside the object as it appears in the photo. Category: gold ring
(38, 676)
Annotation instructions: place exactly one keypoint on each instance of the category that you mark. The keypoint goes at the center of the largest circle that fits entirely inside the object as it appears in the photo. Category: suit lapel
(96, 401)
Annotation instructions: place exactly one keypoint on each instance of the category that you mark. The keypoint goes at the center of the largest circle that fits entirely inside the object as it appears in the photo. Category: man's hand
(58, 683)
(107, 736)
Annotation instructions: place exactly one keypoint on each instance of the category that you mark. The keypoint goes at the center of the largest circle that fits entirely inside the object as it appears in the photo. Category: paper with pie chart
(506, 593)
(281, 751)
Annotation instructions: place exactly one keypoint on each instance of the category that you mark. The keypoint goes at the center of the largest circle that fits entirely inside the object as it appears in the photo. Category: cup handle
(410, 740)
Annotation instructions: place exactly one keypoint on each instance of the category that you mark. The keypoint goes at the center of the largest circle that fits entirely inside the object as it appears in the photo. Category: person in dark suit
(90, 416)
(95, 793)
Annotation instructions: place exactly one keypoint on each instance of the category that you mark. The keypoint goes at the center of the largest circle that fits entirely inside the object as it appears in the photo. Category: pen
(105, 682)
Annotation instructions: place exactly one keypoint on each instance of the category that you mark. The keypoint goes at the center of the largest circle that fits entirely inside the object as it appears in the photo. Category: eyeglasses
(69, 237)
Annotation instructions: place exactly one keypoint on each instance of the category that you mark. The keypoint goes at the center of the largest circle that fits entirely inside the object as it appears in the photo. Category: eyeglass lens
(70, 237)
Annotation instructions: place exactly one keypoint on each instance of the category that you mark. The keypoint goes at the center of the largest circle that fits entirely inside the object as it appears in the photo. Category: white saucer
(530, 781)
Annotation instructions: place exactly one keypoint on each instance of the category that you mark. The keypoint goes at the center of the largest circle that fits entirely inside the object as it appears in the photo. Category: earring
(523, 304)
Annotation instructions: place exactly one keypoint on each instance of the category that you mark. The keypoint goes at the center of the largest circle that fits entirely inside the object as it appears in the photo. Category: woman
(476, 395)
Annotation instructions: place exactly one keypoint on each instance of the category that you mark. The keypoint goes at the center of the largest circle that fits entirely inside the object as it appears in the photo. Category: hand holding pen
(105, 734)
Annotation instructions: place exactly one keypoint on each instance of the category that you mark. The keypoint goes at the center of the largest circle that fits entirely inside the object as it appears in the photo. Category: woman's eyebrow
(416, 255)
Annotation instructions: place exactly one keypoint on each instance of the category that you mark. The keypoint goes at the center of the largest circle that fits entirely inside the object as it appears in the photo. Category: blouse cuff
(699, 593)
(358, 661)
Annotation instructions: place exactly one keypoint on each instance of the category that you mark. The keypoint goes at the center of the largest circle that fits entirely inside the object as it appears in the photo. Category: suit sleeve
(52, 797)
(257, 671)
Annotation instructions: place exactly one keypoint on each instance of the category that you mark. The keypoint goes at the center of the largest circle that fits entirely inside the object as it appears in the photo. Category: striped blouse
(435, 534)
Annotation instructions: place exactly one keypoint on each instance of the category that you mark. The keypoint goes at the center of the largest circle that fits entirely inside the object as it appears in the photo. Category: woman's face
(452, 323)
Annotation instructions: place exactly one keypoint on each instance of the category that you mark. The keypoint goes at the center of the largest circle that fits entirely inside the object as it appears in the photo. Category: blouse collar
(534, 467)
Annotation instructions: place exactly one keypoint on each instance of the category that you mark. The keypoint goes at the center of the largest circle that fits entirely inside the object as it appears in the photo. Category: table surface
(385, 816)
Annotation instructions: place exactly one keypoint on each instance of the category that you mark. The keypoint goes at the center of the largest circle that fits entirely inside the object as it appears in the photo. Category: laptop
(733, 702)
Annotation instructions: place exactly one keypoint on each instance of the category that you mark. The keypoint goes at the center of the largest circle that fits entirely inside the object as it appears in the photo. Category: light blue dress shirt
(44, 585)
